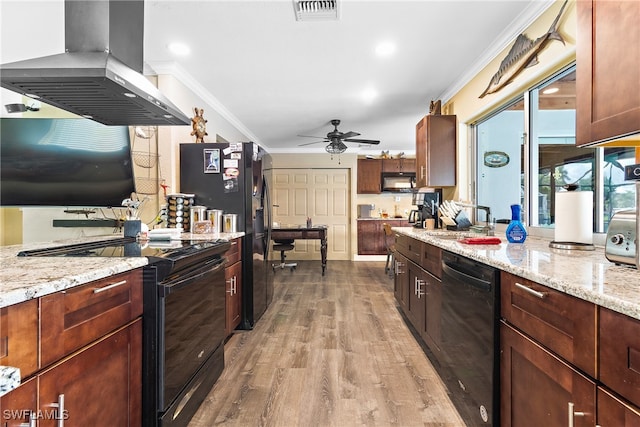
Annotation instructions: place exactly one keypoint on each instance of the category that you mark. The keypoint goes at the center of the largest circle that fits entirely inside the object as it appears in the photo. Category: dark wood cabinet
(614, 412)
(399, 165)
(538, 389)
(620, 354)
(19, 406)
(418, 288)
(80, 315)
(564, 324)
(233, 277)
(100, 385)
(607, 79)
(401, 281)
(417, 299)
(371, 238)
(369, 175)
(432, 331)
(88, 339)
(19, 337)
(436, 151)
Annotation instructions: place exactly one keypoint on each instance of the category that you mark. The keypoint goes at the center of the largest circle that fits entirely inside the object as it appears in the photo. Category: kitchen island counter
(24, 278)
(587, 275)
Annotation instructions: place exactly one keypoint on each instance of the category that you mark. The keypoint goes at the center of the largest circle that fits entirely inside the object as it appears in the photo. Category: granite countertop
(587, 275)
(24, 278)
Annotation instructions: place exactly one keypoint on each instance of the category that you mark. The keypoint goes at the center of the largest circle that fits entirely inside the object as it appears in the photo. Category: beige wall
(467, 105)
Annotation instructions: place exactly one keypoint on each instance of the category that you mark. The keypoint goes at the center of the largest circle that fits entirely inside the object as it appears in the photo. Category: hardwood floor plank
(331, 350)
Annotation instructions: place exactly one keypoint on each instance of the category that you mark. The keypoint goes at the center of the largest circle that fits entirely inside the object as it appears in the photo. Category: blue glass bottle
(516, 232)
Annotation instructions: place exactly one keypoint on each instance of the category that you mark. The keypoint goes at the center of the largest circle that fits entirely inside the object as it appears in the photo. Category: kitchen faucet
(488, 228)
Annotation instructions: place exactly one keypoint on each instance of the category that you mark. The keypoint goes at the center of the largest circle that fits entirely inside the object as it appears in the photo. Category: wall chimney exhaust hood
(100, 74)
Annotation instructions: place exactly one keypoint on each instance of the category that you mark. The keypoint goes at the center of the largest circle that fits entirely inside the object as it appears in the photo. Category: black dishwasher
(469, 358)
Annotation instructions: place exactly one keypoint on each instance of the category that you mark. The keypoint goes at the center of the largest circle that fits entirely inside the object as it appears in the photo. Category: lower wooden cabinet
(19, 407)
(401, 281)
(620, 354)
(233, 276)
(98, 386)
(417, 292)
(371, 238)
(538, 389)
(19, 337)
(613, 412)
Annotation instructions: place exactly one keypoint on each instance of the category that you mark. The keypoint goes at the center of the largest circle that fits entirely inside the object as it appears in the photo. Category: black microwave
(394, 182)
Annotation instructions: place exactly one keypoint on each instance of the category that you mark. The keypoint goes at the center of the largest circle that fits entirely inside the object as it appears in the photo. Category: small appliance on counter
(621, 246)
(364, 211)
(427, 202)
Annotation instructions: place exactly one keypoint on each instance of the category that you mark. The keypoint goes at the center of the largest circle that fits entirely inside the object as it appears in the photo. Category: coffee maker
(426, 200)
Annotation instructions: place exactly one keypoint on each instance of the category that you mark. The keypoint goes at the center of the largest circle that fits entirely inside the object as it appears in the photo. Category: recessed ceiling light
(129, 94)
(550, 90)
(369, 95)
(179, 48)
(385, 48)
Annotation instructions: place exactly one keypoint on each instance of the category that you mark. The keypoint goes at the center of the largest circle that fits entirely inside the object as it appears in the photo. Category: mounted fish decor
(523, 54)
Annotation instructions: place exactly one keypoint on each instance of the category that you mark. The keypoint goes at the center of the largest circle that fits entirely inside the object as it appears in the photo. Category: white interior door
(319, 194)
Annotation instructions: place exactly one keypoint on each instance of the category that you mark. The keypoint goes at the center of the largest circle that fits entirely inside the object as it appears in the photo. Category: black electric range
(183, 319)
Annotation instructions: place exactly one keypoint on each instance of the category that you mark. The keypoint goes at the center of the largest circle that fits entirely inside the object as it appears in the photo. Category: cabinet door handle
(418, 287)
(111, 286)
(32, 421)
(422, 171)
(61, 410)
(573, 414)
(527, 289)
(398, 265)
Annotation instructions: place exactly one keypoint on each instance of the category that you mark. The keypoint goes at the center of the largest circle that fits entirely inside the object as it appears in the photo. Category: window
(525, 153)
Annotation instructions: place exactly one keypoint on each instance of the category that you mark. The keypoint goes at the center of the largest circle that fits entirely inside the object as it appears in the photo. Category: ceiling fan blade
(363, 141)
(314, 142)
(348, 135)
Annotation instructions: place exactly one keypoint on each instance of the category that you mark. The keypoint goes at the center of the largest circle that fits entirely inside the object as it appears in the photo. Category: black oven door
(191, 325)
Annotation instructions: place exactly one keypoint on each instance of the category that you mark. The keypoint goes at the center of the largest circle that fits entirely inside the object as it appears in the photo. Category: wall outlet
(397, 198)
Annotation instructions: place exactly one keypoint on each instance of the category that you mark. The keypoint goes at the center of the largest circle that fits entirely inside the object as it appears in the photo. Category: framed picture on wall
(211, 160)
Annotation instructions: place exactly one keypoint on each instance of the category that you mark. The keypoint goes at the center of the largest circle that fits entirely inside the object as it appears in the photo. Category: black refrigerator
(235, 177)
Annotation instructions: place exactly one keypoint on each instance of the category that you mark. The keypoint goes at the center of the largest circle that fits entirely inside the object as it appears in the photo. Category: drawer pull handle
(111, 286)
(573, 414)
(527, 289)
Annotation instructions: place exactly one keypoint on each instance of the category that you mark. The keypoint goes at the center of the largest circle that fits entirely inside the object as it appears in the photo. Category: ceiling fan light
(336, 148)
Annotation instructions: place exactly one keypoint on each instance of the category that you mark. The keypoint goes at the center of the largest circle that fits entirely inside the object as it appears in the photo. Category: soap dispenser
(516, 232)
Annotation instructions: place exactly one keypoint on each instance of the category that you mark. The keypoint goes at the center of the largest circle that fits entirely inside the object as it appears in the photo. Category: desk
(302, 232)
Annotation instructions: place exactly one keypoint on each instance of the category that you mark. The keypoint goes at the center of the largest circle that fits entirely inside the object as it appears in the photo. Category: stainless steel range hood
(100, 74)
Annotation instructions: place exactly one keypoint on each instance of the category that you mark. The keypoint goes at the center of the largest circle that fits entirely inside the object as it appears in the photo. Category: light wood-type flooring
(329, 351)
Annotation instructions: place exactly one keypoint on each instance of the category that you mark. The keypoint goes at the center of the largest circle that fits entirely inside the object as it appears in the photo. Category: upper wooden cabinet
(436, 151)
(369, 174)
(399, 165)
(607, 75)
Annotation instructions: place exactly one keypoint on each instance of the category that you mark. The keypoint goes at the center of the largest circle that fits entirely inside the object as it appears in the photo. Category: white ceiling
(276, 78)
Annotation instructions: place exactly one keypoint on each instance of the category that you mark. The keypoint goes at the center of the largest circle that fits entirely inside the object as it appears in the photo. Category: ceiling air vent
(316, 10)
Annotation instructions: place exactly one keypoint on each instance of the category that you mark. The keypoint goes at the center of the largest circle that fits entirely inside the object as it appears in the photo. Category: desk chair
(390, 246)
(283, 246)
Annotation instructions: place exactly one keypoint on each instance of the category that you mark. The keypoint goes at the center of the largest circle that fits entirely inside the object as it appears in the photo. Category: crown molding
(179, 73)
(508, 35)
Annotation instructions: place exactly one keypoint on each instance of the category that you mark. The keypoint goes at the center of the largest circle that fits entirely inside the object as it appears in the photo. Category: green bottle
(516, 232)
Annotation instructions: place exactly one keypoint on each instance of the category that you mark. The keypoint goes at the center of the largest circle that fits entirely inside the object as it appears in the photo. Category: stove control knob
(617, 239)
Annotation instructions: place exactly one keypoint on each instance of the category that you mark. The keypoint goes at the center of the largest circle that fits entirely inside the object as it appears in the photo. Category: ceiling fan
(336, 139)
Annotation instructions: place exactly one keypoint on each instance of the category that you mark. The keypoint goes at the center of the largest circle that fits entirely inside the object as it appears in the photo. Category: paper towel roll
(574, 217)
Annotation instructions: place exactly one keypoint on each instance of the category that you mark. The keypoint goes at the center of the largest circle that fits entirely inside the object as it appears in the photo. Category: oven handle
(467, 279)
(210, 268)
